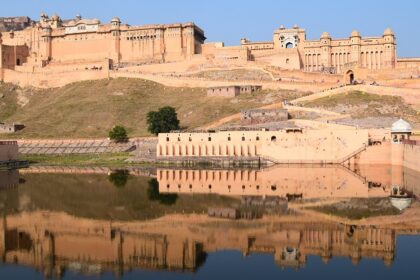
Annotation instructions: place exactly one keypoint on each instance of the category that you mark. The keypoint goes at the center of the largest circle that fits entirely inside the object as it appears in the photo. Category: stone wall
(51, 79)
(411, 157)
(294, 146)
(8, 151)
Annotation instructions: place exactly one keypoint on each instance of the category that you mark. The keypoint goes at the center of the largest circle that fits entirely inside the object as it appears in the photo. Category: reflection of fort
(288, 181)
(54, 242)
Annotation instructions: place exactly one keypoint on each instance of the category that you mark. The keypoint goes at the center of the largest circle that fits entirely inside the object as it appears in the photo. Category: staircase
(336, 161)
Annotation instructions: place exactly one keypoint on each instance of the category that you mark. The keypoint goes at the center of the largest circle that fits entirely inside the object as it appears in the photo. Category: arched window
(273, 138)
(289, 45)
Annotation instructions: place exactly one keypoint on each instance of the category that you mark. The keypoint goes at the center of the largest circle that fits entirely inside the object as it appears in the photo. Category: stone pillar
(355, 41)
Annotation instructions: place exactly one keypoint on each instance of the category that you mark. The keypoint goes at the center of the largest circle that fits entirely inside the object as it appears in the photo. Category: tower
(115, 40)
(355, 43)
(389, 48)
(325, 49)
(45, 45)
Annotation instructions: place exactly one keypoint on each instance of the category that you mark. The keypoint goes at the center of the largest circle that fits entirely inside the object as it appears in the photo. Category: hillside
(361, 105)
(91, 108)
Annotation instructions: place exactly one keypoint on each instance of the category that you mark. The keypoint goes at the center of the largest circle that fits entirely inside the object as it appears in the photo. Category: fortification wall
(376, 154)
(411, 156)
(283, 58)
(51, 79)
(307, 146)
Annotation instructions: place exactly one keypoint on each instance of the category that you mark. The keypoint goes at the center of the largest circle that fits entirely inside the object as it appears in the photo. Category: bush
(118, 134)
(162, 121)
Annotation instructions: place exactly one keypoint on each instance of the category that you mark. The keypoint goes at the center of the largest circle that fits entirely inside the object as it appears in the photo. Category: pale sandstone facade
(339, 145)
(51, 49)
(56, 41)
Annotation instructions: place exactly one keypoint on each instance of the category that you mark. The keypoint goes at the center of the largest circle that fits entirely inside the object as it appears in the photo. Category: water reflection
(60, 223)
(292, 182)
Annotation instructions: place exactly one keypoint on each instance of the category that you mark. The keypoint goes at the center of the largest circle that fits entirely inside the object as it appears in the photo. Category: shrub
(118, 134)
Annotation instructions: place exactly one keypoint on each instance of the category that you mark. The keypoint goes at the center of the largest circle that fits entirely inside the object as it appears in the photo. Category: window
(273, 138)
(167, 139)
(257, 138)
(209, 138)
(229, 138)
(243, 138)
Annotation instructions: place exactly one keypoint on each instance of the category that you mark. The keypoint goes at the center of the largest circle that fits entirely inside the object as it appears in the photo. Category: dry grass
(361, 105)
(90, 109)
(233, 75)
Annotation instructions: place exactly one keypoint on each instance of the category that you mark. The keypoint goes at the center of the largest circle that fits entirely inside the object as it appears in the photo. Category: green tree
(118, 134)
(154, 195)
(163, 120)
(119, 178)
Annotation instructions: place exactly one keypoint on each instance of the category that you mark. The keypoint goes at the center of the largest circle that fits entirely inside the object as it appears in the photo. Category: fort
(332, 145)
(31, 51)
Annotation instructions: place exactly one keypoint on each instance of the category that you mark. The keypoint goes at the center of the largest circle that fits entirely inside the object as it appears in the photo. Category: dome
(115, 19)
(400, 203)
(295, 26)
(401, 126)
(282, 27)
(55, 17)
(388, 31)
(355, 33)
(325, 35)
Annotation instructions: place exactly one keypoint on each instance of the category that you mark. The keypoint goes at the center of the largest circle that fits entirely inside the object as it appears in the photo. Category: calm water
(95, 223)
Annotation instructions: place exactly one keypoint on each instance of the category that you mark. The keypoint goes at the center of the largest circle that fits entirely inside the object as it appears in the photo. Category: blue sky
(228, 21)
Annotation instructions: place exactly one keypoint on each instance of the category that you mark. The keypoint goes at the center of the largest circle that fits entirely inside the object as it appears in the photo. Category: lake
(281, 222)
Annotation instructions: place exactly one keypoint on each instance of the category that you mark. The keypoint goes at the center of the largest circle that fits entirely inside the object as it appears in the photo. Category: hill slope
(92, 108)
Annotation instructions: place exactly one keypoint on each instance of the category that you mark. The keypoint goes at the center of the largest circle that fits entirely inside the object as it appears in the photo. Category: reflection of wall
(310, 182)
(9, 179)
(51, 242)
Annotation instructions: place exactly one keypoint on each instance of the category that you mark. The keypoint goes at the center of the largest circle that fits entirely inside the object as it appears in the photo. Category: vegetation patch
(91, 109)
(360, 104)
(233, 75)
(357, 209)
(105, 159)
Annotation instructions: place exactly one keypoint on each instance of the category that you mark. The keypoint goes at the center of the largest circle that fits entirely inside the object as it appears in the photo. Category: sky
(230, 20)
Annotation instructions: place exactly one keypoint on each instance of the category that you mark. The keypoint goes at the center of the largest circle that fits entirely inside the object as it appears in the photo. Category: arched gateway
(349, 77)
